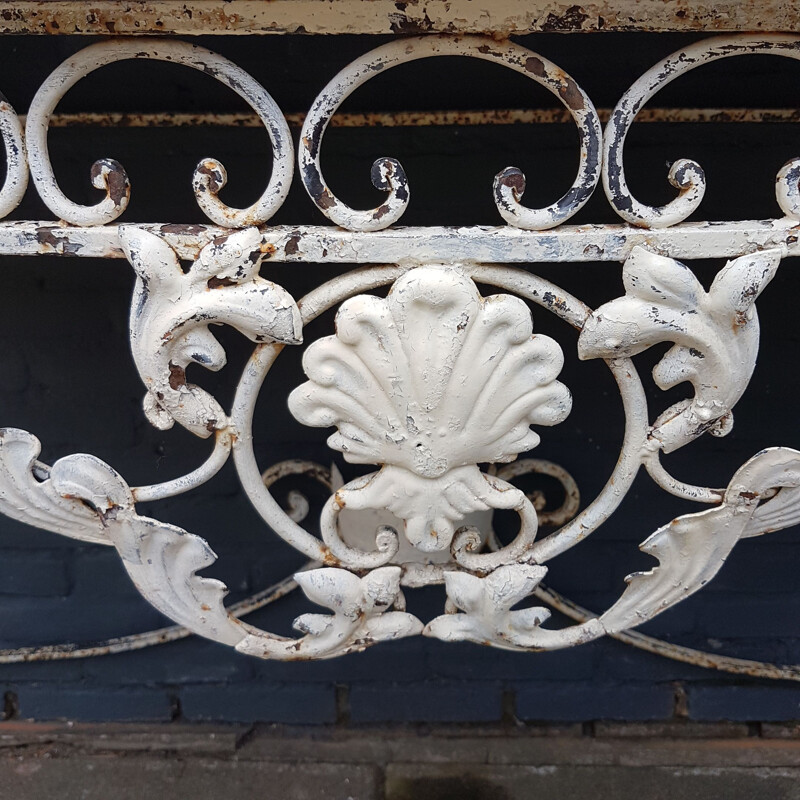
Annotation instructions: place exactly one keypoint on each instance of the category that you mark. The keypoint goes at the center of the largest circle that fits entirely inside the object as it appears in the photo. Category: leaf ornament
(692, 549)
(715, 335)
(82, 497)
(487, 617)
(171, 312)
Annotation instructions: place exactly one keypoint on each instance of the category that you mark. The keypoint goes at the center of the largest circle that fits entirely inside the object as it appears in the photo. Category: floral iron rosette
(428, 383)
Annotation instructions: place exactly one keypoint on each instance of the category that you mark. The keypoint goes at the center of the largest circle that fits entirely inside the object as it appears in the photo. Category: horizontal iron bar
(417, 119)
(495, 245)
(502, 17)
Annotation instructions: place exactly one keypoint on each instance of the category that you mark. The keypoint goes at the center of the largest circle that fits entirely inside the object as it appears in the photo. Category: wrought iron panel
(438, 387)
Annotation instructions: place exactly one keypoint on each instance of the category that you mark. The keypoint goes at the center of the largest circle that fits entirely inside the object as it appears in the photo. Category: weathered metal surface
(691, 549)
(109, 175)
(415, 119)
(503, 17)
(684, 174)
(715, 336)
(311, 244)
(389, 176)
(537, 466)
(16, 177)
(427, 383)
(171, 312)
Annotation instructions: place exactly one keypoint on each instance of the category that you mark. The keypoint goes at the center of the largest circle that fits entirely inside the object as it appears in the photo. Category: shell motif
(431, 379)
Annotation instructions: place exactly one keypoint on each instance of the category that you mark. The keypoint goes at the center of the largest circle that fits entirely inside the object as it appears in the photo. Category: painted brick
(584, 702)
(98, 574)
(405, 660)
(623, 662)
(682, 618)
(465, 661)
(65, 701)
(771, 703)
(261, 702)
(188, 661)
(426, 702)
(743, 615)
(34, 573)
(760, 566)
(67, 620)
(18, 536)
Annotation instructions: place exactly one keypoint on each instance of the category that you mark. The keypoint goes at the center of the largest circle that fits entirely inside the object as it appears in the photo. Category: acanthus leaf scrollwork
(83, 497)
(715, 335)
(171, 312)
(691, 549)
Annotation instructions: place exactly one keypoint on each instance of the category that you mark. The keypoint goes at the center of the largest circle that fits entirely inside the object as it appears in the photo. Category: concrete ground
(44, 761)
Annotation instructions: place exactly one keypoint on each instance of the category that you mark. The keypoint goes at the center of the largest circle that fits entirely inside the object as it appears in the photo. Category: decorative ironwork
(428, 383)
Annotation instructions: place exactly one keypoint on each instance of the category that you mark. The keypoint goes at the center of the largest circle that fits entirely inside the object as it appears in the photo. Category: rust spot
(219, 241)
(45, 235)
(325, 199)
(214, 178)
(571, 95)
(292, 246)
(182, 229)
(515, 180)
(748, 495)
(555, 302)
(571, 20)
(328, 558)
(267, 249)
(535, 65)
(401, 24)
(177, 376)
(114, 178)
(205, 607)
(216, 283)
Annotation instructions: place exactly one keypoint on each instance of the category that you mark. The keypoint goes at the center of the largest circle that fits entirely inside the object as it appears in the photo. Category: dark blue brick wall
(254, 701)
(66, 374)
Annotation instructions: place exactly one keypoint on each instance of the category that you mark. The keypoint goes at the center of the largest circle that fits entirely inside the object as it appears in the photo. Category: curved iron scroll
(426, 383)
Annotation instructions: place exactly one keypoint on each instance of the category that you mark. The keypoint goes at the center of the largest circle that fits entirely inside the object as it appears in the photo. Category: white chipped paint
(685, 175)
(427, 383)
(389, 176)
(171, 312)
(109, 176)
(715, 335)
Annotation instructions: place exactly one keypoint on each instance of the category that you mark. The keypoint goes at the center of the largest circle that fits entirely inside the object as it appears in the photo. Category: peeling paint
(506, 17)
